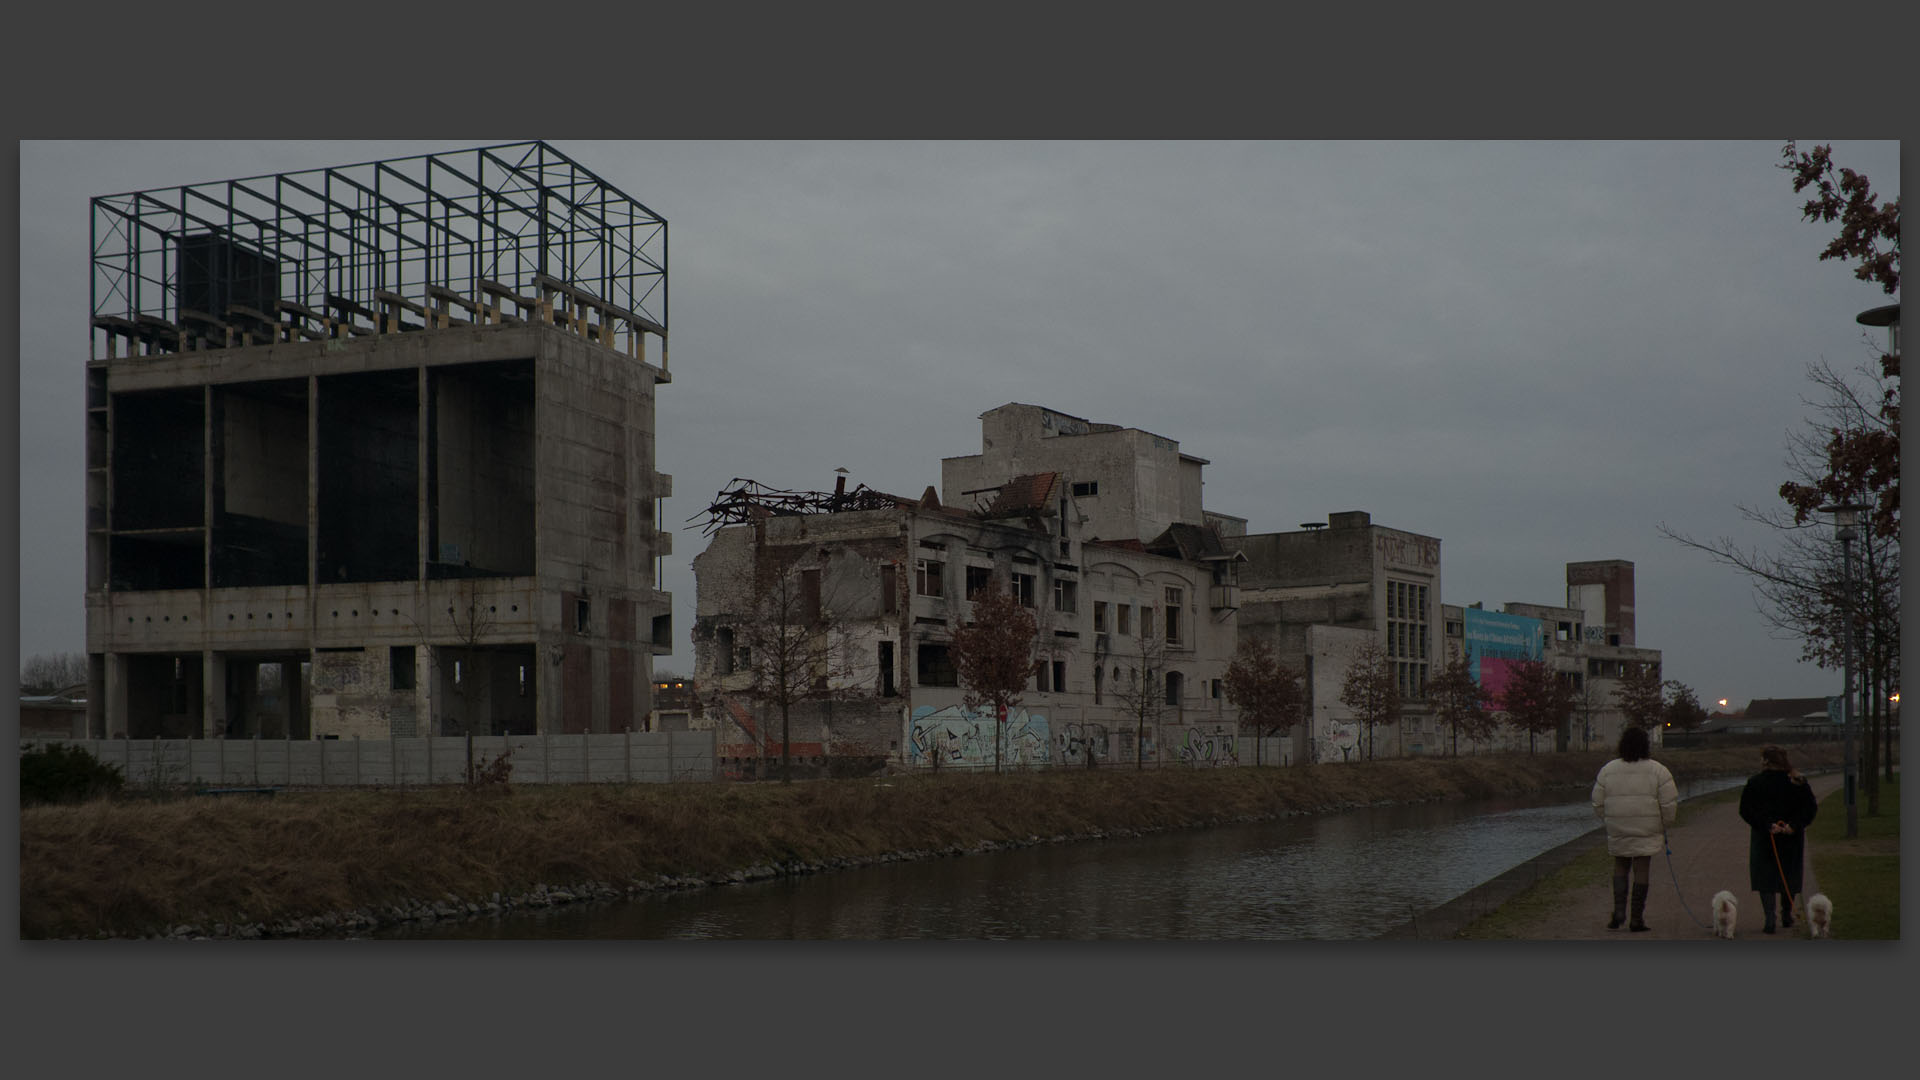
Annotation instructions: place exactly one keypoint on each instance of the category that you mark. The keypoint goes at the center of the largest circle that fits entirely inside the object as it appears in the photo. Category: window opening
(926, 576)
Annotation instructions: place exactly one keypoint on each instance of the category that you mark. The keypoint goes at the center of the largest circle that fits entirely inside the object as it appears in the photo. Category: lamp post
(1845, 517)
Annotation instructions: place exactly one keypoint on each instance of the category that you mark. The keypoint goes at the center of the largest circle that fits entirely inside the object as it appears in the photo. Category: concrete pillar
(213, 693)
(116, 697)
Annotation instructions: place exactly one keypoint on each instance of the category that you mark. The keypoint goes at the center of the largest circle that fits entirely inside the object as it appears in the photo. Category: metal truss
(745, 501)
(407, 243)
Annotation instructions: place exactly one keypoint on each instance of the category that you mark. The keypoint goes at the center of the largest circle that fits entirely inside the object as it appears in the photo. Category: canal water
(1343, 876)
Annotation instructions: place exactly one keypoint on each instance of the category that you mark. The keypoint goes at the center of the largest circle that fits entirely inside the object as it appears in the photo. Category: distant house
(59, 715)
(1790, 719)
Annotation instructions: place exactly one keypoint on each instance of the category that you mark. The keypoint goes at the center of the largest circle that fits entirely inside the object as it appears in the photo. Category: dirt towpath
(1709, 853)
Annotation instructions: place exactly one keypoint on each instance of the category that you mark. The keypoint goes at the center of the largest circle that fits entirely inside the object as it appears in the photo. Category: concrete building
(1354, 575)
(1298, 589)
(1590, 642)
(370, 452)
(1131, 646)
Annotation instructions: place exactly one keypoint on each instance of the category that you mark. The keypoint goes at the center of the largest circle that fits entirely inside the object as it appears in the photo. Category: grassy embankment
(133, 866)
(1861, 876)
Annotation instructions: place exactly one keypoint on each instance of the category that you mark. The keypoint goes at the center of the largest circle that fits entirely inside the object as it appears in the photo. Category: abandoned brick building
(1135, 629)
(370, 452)
(1102, 530)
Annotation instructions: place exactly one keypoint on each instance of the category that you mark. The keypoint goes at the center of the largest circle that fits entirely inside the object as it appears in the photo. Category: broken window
(926, 576)
(1174, 598)
(1059, 676)
(1174, 685)
(723, 651)
(1085, 488)
(582, 615)
(1098, 680)
(1023, 589)
(1041, 682)
(1099, 616)
(1064, 595)
(400, 661)
(1125, 617)
(889, 584)
(978, 579)
(810, 597)
(935, 666)
(887, 688)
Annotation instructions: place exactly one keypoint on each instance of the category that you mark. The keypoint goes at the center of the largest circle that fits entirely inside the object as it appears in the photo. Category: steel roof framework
(507, 214)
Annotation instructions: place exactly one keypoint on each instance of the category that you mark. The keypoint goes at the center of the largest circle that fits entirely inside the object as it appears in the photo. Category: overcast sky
(1537, 352)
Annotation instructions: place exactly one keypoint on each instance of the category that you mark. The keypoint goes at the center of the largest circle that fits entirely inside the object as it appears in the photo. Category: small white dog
(1725, 910)
(1819, 915)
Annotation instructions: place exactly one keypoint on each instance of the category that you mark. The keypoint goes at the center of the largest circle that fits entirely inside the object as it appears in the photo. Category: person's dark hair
(1634, 745)
(1776, 758)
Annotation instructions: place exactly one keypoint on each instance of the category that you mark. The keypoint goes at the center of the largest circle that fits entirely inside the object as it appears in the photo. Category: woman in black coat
(1777, 806)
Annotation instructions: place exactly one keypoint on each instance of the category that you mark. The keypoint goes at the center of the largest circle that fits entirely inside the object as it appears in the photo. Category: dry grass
(130, 867)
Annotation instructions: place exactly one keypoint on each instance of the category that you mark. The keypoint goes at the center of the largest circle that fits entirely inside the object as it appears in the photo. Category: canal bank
(332, 863)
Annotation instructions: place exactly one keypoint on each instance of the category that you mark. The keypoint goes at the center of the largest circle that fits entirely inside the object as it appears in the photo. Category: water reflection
(1328, 877)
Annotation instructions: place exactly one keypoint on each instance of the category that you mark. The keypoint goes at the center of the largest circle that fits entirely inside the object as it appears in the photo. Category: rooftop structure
(430, 240)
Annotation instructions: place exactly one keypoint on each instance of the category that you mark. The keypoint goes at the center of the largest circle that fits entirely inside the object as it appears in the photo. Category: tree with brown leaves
(1537, 699)
(1268, 693)
(993, 656)
(1459, 702)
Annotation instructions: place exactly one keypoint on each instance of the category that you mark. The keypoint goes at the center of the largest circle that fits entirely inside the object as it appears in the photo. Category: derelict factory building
(370, 452)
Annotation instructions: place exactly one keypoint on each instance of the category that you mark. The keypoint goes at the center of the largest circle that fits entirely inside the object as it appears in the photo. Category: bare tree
(993, 656)
(1268, 693)
(1140, 686)
(43, 673)
(1370, 690)
(1641, 696)
(468, 622)
(791, 644)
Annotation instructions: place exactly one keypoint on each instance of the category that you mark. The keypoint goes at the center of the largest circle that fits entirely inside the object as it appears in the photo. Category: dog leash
(1667, 843)
(1793, 905)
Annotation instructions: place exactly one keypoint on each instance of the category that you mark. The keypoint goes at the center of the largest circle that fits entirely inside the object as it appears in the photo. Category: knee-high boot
(1619, 902)
(1766, 909)
(1639, 908)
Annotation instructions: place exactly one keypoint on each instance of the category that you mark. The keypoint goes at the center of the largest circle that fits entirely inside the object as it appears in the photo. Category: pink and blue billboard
(1495, 642)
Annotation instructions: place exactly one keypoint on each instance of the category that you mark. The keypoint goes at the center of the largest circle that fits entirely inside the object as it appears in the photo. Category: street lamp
(1845, 517)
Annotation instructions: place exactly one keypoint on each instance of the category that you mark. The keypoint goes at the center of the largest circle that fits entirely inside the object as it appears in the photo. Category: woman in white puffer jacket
(1635, 796)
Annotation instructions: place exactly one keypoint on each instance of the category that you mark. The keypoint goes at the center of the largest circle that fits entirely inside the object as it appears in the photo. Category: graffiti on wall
(1206, 751)
(958, 736)
(1405, 550)
(1337, 741)
(1080, 741)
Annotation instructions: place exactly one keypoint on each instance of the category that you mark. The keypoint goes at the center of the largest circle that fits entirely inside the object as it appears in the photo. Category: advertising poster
(1495, 642)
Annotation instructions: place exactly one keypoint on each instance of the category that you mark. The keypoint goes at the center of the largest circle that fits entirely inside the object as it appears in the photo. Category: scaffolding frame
(503, 234)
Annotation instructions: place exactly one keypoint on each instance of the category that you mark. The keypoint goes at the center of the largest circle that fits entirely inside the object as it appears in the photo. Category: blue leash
(1668, 844)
